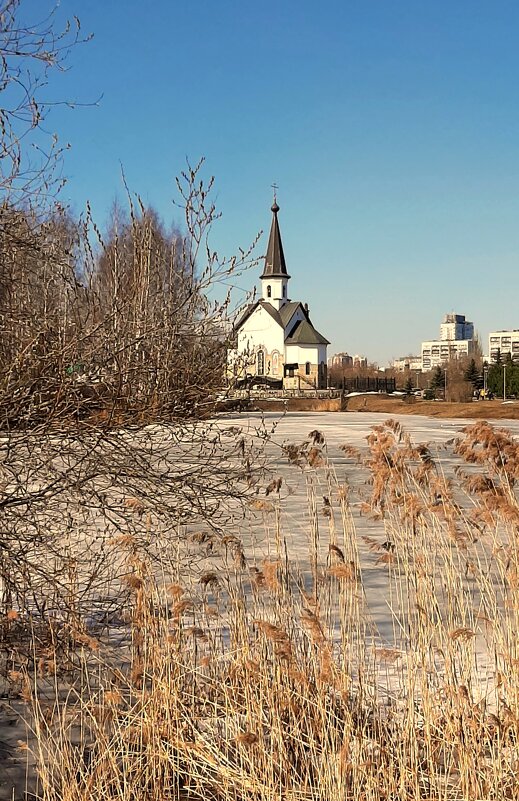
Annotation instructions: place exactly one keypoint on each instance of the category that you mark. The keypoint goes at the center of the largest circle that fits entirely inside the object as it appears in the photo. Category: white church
(275, 341)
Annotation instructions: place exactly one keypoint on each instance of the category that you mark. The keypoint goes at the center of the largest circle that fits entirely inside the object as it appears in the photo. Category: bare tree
(110, 350)
(29, 53)
(159, 311)
(36, 278)
(139, 342)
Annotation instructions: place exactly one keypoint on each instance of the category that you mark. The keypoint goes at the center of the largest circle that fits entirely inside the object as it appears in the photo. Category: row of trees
(114, 322)
(500, 378)
(503, 378)
(450, 382)
(121, 322)
(98, 328)
(460, 380)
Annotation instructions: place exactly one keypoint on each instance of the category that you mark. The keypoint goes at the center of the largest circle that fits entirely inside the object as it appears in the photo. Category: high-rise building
(456, 327)
(456, 340)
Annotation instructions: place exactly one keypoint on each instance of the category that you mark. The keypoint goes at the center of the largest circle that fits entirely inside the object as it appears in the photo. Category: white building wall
(278, 288)
(300, 354)
(504, 342)
(456, 327)
(260, 330)
(311, 372)
(322, 353)
(439, 351)
(451, 331)
(407, 363)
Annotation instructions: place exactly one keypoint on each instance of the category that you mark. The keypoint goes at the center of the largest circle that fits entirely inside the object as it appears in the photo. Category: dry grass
(256, 681)
(484, 410)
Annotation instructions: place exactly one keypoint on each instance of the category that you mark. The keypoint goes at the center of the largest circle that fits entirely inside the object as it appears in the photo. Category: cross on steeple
(275, 187)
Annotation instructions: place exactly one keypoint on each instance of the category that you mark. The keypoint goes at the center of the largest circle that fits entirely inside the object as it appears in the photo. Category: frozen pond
(295, 511)
(121, 501)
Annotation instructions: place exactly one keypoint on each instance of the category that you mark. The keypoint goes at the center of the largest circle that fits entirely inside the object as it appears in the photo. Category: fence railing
(284, 393)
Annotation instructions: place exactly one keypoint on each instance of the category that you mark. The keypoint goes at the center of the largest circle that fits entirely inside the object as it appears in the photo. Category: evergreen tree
(512, 383)
(438, 378)
(472, 374)
(498, 374)
(495, 379)
(408, 388)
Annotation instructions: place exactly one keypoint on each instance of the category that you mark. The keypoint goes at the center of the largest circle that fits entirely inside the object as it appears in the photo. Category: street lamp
(485, 375)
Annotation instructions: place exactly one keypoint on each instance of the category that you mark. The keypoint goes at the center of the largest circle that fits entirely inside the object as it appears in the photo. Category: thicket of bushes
(117, 323)
(114, 324)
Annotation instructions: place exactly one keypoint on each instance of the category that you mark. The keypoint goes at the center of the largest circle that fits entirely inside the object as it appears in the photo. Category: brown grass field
(482, 410)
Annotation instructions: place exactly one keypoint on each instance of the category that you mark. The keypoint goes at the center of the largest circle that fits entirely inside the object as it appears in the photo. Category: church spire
(275, 266)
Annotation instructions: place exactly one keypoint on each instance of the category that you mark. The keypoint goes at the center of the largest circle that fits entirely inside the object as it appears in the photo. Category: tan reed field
(261, 678)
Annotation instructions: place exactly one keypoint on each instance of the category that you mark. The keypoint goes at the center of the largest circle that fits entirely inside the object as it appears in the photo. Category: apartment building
(437, 352)
(343, 360)
(503, 343)
(456, 327)
(407, 363)
(456, 340)
(340, 360)
(360, 361)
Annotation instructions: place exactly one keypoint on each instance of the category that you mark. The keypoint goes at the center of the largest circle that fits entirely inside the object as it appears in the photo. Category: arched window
(260, 363)
(284, 291)
(275, 362)
(269, 291)
(307, 368)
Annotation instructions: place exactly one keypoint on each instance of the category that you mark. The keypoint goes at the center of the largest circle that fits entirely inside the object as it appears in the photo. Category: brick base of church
(303, 380)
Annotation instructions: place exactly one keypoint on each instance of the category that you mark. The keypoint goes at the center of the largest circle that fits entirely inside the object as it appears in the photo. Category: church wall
(306, 353)
(260, 331)
(274, 291)
(239, 363)
(301, 355)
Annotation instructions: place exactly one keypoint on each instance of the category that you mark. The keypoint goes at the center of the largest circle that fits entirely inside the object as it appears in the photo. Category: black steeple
(275, 266)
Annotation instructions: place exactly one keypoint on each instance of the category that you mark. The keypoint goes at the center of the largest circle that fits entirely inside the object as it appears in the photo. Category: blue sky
(390, 126)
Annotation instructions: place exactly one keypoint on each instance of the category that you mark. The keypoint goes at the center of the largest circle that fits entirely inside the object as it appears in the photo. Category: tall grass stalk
(268, 680)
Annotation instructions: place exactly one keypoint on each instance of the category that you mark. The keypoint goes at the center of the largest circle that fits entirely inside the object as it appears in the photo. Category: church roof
(275, 266)
(246, 313)
(288, 310)
(282, 317)
(300, 332)
(303, 333)
(272, 311)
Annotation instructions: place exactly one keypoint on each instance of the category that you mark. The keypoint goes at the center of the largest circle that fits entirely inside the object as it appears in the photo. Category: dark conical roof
(275, 266)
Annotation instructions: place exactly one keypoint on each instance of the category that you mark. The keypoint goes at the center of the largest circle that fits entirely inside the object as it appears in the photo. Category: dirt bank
(482, 410)
(385, 404)
(298, 405)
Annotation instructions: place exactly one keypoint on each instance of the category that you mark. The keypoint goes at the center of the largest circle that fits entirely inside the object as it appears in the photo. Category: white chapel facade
(276, 343)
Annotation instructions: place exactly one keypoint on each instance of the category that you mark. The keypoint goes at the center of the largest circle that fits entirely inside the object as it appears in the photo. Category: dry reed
(255, 682)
